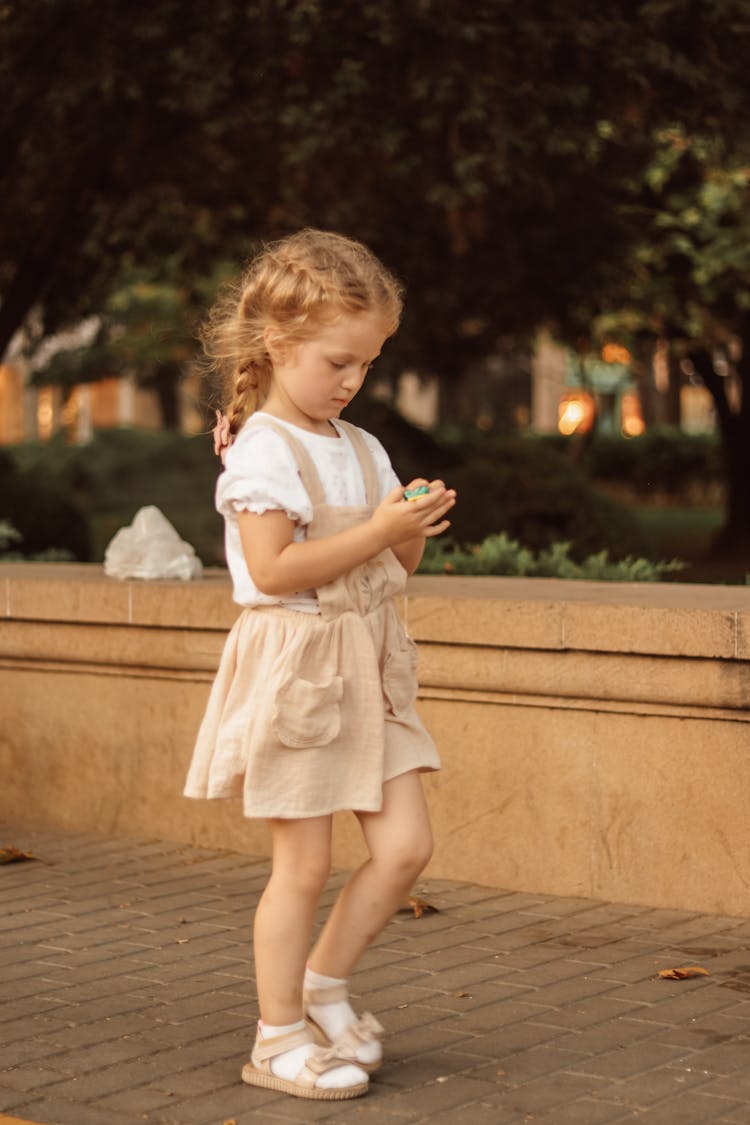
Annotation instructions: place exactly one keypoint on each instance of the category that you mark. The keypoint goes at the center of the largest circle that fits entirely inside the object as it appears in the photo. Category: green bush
(534, 494)
(122, 470)
(501, 555)
(524, 486)
(664, 460)
(37, 507)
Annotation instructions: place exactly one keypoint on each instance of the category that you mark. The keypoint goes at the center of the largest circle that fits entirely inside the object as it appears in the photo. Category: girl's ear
(275, 346)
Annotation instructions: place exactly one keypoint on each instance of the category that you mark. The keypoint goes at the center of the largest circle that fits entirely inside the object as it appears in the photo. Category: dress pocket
(400, 676)
(308, 714)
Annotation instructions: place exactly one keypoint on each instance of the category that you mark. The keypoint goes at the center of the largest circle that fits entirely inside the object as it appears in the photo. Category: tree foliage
(473, 146)
(690, 282)
(515, 164)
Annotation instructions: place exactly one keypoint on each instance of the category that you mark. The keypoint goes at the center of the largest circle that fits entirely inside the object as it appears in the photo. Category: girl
(312, 709)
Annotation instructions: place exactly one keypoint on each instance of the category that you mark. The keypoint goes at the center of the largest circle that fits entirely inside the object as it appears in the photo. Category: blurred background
(562, 188)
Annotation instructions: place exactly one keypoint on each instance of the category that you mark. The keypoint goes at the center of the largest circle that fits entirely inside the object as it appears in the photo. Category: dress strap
(365, 458)
(307, 471)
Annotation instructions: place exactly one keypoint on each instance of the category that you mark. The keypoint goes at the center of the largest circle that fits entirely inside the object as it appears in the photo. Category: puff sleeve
(261, 476)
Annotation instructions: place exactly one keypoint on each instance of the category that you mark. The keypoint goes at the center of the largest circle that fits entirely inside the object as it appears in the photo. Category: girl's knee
(310, 874)
(423, 850)
(303, 874)
(409, 855)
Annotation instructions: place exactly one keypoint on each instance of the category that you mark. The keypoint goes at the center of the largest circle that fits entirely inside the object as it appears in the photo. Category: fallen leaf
(9, 854)
(459, 995)
(420, 906)
(683, 973)
(230, 1121)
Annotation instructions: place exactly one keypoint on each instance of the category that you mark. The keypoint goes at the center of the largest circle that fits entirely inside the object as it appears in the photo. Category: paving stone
(584, 1111)
(688, 1004)
(594, 1010)
(477, 1114)
(238, 1101)
(96, 1083)
(440, 959)
(523, 1066)
(740, 1115)
(491, 1016)
(636, 1058)
(462, 1000)
(603, 1037)
(130, 996)
(107, 1053)
(690, 1108)
(99, 1031)
(408, 1044)
(661, 1085)
(62, 1112)
(544, 1094)
(505, 1041)
(27, 1077)
(29, 1027)
(735, 1085)
(439, 1096)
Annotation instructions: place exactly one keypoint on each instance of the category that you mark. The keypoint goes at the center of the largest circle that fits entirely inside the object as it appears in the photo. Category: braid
(293, 286)
(244, 399)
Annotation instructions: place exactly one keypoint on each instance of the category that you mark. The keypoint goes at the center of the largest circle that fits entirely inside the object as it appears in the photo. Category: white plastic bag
(150, 548)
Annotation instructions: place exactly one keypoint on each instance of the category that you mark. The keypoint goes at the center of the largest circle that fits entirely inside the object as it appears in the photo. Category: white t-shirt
(261, 475)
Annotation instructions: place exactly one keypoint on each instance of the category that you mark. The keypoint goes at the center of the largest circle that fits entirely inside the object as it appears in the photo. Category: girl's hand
(223, 437)
(398, 520)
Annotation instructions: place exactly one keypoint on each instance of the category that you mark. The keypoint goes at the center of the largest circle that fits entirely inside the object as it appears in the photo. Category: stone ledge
(594, 736)
(661, 619)
(604, 679)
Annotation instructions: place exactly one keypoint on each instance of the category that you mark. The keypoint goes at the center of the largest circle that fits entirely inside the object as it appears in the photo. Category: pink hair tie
(223, 436)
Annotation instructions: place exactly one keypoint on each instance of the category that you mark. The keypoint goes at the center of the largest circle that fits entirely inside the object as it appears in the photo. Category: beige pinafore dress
(310, 713)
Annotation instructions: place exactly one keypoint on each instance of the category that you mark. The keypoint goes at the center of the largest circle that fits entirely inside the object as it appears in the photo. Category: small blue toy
(415, 493)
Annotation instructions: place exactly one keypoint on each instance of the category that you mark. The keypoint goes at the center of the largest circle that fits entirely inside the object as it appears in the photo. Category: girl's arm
(279, 566)
(409, 554)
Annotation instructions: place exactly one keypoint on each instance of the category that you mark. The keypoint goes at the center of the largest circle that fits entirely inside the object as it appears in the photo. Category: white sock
(336, 1017)
(288, 1064)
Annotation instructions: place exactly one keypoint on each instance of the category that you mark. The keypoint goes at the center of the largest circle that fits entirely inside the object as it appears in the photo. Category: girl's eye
(337, 366)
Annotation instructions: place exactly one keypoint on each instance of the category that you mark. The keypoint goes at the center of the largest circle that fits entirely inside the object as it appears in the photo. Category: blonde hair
(294, 286)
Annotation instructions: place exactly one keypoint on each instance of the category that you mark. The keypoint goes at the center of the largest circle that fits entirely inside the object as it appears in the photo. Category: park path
(127, 997)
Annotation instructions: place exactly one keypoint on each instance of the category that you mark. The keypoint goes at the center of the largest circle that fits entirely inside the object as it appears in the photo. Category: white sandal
(257, 1072)
(364, 1033)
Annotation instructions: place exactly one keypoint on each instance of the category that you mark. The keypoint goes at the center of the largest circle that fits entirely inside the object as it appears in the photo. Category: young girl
(312, 709)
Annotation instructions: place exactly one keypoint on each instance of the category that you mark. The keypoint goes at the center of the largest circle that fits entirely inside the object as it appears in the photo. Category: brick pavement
(127, 997)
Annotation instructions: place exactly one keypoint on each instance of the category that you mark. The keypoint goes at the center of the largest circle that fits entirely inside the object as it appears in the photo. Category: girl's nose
(353, 379)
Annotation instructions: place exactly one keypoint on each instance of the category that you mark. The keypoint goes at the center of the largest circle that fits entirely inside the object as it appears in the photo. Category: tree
(146, 328)
(688, 282)
(486, 151)
(471, 146)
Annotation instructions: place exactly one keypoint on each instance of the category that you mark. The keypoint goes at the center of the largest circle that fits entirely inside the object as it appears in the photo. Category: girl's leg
(399, 840)
(283, 928)
(286, 912)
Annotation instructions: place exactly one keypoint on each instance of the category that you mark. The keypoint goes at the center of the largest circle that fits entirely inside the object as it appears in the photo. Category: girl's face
(312, 382)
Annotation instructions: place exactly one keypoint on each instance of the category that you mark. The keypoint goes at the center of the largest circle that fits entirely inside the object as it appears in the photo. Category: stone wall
(595, 736)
